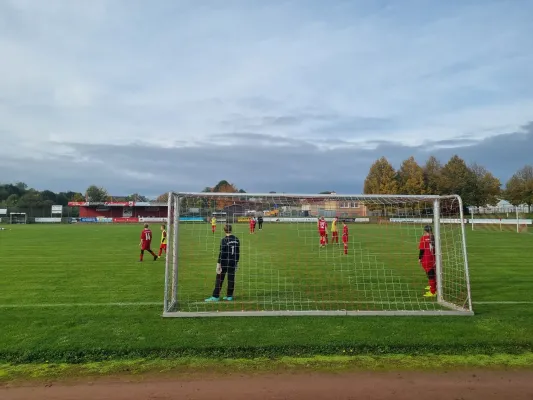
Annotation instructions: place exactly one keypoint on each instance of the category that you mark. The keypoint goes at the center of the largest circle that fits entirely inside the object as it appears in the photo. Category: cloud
(283, 94)
(257, 163)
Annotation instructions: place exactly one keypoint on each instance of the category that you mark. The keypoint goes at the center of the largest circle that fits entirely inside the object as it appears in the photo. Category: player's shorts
(428, 266)
(344, 239)
(145, 245)
(163, 246)
(322, 233)
(335, 234)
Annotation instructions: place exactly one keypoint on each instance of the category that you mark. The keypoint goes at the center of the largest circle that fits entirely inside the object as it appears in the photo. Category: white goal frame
(18, 214)
(172, 267)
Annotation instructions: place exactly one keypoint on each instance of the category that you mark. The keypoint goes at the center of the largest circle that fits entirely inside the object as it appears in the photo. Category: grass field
(76, 294)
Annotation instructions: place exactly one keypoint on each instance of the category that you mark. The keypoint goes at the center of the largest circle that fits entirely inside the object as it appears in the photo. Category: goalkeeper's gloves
(219, 269)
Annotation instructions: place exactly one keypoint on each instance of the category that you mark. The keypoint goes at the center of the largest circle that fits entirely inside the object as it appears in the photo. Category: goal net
(369, 266)
(504, 219)
(18, 218)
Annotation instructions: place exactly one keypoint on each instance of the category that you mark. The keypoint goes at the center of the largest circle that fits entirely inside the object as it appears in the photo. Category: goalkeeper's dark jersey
(229, 251)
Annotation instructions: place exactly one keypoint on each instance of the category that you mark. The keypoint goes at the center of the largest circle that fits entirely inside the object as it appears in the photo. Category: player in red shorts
(427, 259)
(146, 242)
(345, 236)
(163, 245)
(252, 226)
(322, 227)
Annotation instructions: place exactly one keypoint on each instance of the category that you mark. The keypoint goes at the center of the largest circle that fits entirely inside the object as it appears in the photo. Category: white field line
(153, 303)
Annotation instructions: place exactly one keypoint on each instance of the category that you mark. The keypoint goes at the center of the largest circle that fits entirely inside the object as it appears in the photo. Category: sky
(288, 96)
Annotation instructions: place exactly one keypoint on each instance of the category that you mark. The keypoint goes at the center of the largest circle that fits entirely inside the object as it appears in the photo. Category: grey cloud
(255, 164)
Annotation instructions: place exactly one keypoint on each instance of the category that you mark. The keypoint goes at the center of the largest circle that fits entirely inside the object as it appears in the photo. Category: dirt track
(487, 385)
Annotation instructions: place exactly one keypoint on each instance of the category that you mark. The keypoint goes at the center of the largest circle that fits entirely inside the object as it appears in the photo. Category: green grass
(76, 267)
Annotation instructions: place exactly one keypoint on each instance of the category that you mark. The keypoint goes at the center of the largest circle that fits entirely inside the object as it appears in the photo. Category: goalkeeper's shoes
(229, 298)
(427, 288)
(429, 294)
(212, 299)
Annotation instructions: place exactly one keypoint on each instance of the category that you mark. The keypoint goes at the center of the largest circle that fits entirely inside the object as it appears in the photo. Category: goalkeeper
(427, 259)
(227, 264)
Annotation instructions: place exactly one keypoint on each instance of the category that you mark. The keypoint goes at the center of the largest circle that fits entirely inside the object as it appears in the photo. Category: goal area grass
(77, 294)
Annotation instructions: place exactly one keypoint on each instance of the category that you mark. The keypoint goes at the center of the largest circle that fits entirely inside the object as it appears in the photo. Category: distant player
(213, 224)
(427, 259)
(322, 231)
(146, 242)
(345, 236)
(334, 231)
(252, 226)
(227, 264)
(260, 222)
(163, 245)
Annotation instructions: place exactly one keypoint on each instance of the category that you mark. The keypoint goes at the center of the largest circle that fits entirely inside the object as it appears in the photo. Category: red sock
(322, 241)
(345, 249)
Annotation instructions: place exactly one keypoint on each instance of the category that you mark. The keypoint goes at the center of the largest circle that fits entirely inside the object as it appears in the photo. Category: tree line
(474, 183)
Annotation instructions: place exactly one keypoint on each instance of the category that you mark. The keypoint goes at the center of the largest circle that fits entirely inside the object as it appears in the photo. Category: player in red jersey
(163, 246)
(322, 227)
(345, 236)
(146, 242)
(252, 225)
(427, 259)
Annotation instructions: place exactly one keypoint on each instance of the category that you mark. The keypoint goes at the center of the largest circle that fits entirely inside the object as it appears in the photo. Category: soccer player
(146, 241)
(252, 225)
(427, 260)
(345, 236)
(213, 224)
(163, 245)
(334, 232)
(322, 231)
(260, 222)
(227, 264)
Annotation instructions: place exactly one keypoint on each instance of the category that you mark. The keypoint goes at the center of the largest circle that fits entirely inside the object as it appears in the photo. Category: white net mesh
(367, 263)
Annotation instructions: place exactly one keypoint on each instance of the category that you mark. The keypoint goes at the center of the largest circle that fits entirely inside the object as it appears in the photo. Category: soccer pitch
(77, 293)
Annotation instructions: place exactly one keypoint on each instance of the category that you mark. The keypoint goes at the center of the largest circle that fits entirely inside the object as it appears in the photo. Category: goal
(508, 219)
(18, 218)
(284, 269)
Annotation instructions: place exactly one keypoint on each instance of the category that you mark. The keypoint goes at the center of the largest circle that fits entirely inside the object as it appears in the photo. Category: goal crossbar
(272, 284)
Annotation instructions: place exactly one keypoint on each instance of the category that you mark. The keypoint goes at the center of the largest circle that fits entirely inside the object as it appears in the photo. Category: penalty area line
(153, 303)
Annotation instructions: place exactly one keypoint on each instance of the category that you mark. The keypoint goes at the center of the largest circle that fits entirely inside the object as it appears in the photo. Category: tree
(12, 200)
(30, 199)
(514, 190)
(137, 197)
(162, 198)
(381, 178)
(519, 189)
(432, 175)
(411, 177)
(457, 178)
(224, 187)
(485, 188)
(47, 195)
(96, 194)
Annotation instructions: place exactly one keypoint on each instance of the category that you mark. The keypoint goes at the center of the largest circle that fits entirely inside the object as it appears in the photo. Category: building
(121, 211)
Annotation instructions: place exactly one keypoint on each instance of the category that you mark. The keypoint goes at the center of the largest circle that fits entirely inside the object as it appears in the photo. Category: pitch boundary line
(153, 303)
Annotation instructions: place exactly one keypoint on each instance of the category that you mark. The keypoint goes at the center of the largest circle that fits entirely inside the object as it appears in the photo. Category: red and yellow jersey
(334, 226)
(213, 221)
(164, 237)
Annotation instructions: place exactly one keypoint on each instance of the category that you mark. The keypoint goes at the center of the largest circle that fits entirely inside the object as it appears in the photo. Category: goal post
(18, 218)
(368, 265)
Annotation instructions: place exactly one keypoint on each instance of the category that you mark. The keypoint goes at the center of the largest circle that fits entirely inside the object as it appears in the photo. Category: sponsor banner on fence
(356, 220)
(104, 219)
(300, 219)
(502, 221)
(122, 220)
(195, 219)
(3, 211)
(48, 220)
(88, 219)
(243, 219)
(152, 219)
(428, 220)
